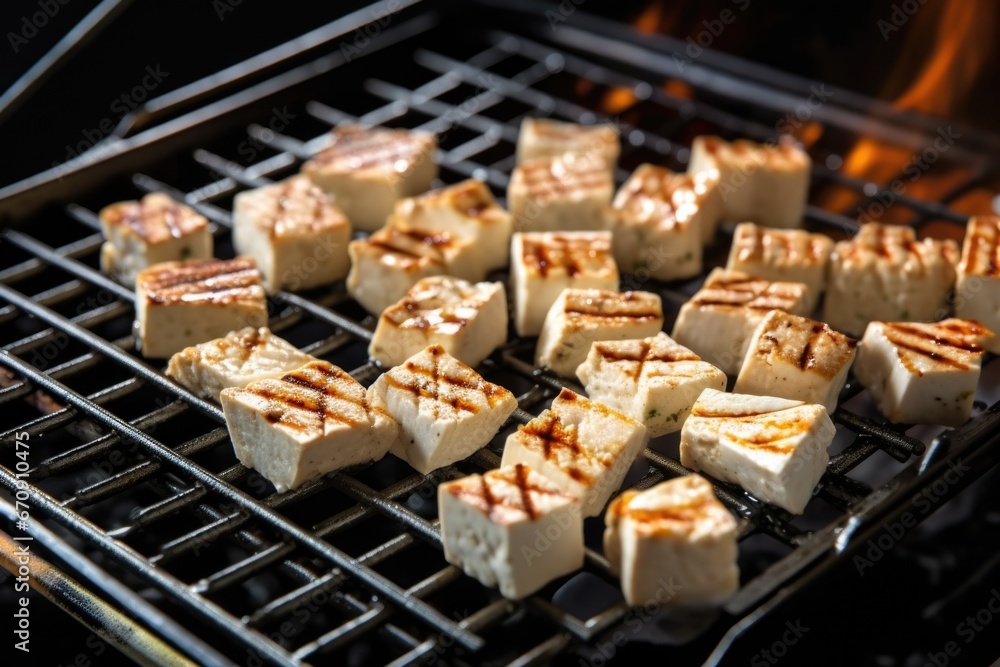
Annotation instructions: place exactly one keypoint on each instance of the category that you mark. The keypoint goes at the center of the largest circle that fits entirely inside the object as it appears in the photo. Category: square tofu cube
(543, 264)
(795, 357)
(490, 525)
(658, 221)
(155, 229)
(468, 320)
(775, 448)
(977, 292)
(654, 380)
(296, 234)
(367, 170)
(466, 210)
(580, 317)
(388, 263)
(678, 533)
(569, 192)
(446, 411)
(312, 421)
(923, 373)
(788, 255)
(543, 137)
(765, 183)
(235, 360)
(585, 447)
(884, 273)
(719, 319)
(181, 304)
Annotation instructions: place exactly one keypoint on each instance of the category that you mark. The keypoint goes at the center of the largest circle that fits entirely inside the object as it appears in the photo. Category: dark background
(918, 594)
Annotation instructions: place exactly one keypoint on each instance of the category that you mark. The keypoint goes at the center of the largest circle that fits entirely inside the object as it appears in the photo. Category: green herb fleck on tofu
(653, 413)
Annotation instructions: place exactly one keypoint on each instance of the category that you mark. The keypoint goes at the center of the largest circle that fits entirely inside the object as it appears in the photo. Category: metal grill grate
(140, 475)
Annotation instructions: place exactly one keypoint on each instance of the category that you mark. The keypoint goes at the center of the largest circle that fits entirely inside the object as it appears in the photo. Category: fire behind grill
(155, 514)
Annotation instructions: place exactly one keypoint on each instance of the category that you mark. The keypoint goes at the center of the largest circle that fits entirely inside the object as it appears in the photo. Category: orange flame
(961, 46)
(649, 19)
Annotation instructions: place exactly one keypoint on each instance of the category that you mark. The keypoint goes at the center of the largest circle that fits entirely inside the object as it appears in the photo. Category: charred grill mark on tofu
(981, 252)
(425, 382)
(546, 178)
(548, 432)
(212, 281)
(155, 218)
(951, 346)
(499, 504)
(356, 148)
(609, 305)
(312, 389)
(552, 252)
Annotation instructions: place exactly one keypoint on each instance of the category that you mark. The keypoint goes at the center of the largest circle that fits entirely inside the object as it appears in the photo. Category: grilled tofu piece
(660, 220)
(154, 229)
(977, 291)
(312, 421)
(677, 531)
(719, 319)
(585, 447)
(466, 210)
(543, 264)
(564, 193)
(491, 523)
(235, 360)
(775, 448)
(884, 273)
(768, 184)
(788, 255)
(795, 357)
(367, 170)
(446, 411)
(296, 234)
(544, 137)
(468, 320)
(580, 317)
(653, 380)
(923, 373)
(180, 304)
(388, 263)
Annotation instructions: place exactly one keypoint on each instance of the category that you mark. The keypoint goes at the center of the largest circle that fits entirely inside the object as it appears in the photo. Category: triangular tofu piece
(775, 448)
(310, 422)
(446, 411)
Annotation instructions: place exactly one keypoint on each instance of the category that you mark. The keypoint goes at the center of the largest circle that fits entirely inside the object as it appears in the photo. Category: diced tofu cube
(923, 373)
(580, 317)
(719, 319)
(155, 229)
(446, 411)
(884, 273)
(659, 219)
(570, 192)
(795, 357)
(585, 447)
(765, 183)
(388, 263)
(181, 304)
(466, 210)
(367, 170)
(296, 234)
(675, 538)
(775, 448)
(543, 137)
(235, 360)
(468, 320)
(654, 380)
(543, 264)
(788, 255)
(490, 525)
(312, 421)
(977, 292)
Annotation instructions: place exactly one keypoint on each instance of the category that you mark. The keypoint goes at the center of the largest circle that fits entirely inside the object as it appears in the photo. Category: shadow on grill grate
(349, 569)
